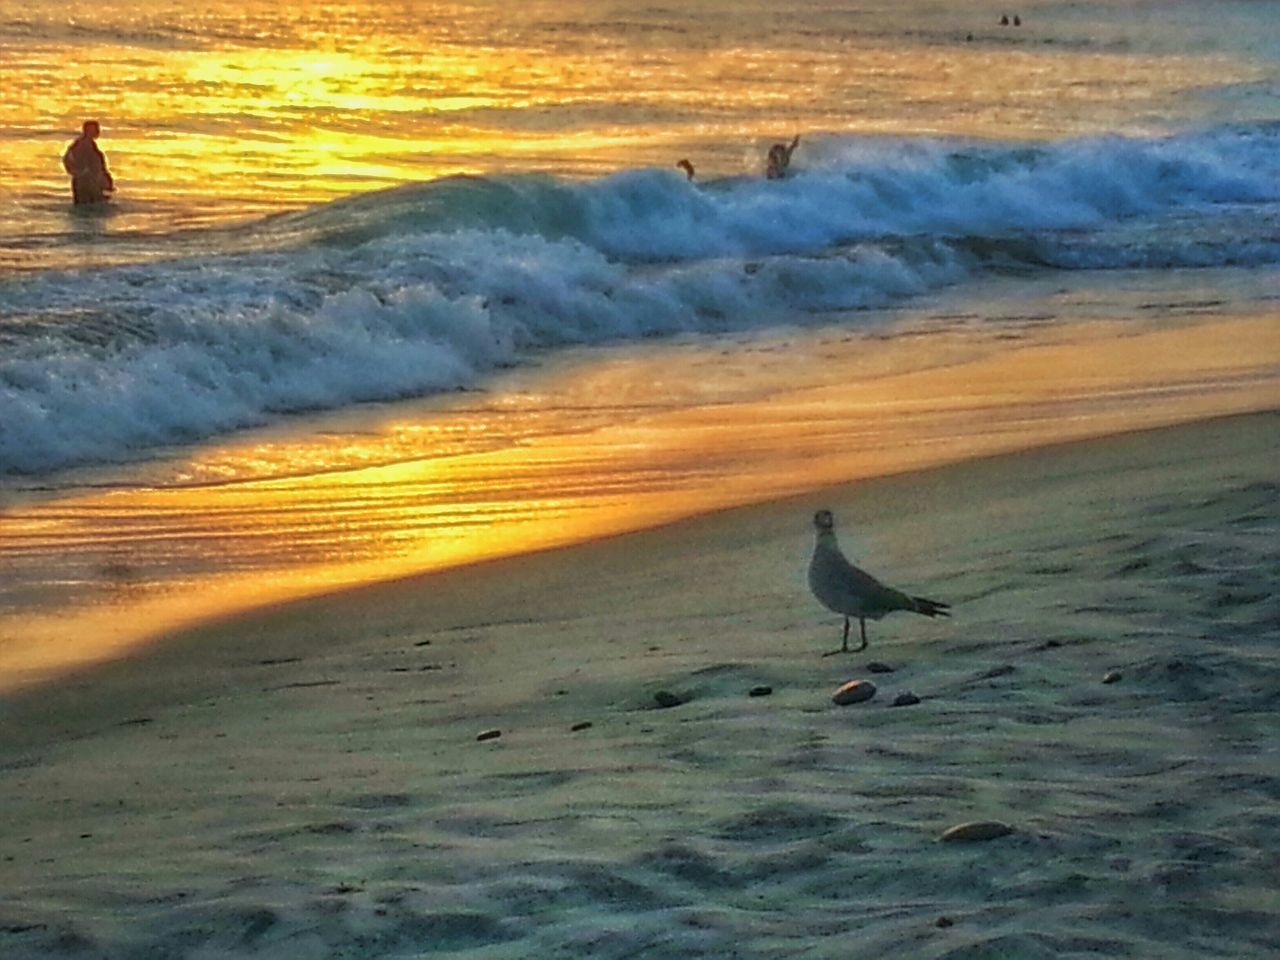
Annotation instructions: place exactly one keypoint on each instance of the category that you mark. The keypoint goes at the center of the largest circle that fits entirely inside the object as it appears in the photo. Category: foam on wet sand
(308, 781)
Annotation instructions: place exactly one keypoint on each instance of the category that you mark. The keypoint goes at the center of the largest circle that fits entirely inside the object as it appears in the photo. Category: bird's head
(823, 521)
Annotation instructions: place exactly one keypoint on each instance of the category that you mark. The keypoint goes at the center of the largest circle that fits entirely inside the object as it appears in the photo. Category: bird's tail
(931, 608)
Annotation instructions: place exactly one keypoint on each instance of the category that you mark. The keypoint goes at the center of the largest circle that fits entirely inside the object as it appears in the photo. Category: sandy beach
(474, 763)
(407, 480)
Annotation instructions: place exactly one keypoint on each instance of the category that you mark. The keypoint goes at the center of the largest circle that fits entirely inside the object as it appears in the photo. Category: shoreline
(139, 560)
(192, 637)
(474, 762)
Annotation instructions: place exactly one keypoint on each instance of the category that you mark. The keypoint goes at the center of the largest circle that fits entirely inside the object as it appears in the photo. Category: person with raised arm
(780, 159)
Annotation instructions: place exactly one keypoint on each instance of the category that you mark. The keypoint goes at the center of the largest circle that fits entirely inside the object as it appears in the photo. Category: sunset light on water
(243, 107)
(716, 480)
(489, 482)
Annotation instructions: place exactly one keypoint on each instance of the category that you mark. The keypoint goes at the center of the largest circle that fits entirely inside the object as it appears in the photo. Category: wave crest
(428, 286)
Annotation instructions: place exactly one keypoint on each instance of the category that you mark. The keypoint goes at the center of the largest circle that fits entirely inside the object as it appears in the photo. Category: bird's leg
(862, 626)
(844, 641)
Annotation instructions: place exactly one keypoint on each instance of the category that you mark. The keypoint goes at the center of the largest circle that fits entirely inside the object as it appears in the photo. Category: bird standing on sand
(843, 588)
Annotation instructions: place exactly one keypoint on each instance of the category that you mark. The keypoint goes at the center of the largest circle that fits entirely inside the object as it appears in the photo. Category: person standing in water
(90, 180)
(780, 159)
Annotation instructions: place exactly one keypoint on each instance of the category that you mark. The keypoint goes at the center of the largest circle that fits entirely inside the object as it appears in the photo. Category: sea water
(389, 289)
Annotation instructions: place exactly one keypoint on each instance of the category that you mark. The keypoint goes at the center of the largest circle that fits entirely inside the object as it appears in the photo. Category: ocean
(387, 288)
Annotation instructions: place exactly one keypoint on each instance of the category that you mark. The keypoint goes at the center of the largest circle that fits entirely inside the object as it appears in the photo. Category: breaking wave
(429, 286)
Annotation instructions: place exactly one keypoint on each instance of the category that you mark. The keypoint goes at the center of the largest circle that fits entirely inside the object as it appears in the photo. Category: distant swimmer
(90, 180)
(780, 159)
(1004, 19)
(687, 167)
(1017, 20)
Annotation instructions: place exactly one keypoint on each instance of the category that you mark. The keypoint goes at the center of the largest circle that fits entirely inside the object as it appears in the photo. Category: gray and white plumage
(843, 588)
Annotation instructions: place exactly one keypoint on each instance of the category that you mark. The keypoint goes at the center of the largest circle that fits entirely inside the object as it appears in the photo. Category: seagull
(843, 588)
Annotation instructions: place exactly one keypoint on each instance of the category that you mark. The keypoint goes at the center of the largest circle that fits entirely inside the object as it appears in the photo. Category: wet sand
(605, 444)
(309, 781)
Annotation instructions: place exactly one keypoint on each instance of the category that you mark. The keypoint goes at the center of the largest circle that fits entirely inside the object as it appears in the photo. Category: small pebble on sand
(583, 725)
(1112, 676)
(875, 666)
(944, 922)
(489, 735)
(665, 699)
(855, 691)
(1001, 671)
(907, 699)
(761, 691)
(976, 830)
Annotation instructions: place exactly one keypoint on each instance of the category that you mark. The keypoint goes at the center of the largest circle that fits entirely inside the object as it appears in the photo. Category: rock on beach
(666, 699)
(975, 830)
(855, 691)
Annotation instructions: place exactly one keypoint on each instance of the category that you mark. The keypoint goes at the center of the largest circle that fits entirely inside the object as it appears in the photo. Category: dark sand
(306, 782)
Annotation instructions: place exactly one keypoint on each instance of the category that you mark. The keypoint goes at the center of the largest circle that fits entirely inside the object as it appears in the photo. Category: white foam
(428, 287)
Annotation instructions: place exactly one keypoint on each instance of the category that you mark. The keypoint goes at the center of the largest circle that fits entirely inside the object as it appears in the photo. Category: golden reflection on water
(134, 563)
(300, 106)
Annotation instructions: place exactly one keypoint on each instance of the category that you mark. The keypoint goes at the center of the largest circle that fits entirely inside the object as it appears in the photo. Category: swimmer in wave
(780, 159)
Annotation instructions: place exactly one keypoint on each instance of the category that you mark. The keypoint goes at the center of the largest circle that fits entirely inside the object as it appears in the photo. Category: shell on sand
(855, 691)
(976, 830)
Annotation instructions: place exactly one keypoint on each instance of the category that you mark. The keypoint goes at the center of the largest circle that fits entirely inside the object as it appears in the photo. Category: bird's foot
(836, 653)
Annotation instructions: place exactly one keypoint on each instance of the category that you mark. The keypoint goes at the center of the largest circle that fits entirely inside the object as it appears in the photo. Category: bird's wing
(887, 599)
(877, 598)
(838, 583)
